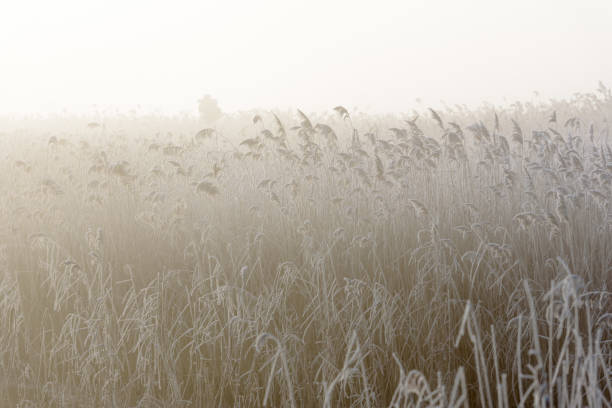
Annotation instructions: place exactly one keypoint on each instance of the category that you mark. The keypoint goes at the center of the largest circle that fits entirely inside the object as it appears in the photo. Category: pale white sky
(378, 55)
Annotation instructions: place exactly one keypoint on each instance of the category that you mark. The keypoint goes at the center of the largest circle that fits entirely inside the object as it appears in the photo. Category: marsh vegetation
(449, 257)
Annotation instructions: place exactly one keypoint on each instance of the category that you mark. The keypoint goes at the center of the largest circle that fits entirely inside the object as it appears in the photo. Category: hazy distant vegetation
(208, 109)
(440, 258)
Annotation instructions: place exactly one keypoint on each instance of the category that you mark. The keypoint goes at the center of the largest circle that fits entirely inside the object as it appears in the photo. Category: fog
(280, 204)
(381, 57)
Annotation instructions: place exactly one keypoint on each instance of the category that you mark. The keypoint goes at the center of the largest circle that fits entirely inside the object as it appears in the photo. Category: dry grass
(451, 259)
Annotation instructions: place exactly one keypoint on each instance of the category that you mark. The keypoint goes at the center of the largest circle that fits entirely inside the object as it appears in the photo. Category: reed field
(447, 257)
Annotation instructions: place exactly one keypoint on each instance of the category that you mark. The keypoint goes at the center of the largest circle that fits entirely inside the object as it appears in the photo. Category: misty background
(384, 56)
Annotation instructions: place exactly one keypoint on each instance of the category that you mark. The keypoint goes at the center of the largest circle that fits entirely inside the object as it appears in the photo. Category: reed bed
(445, 258)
